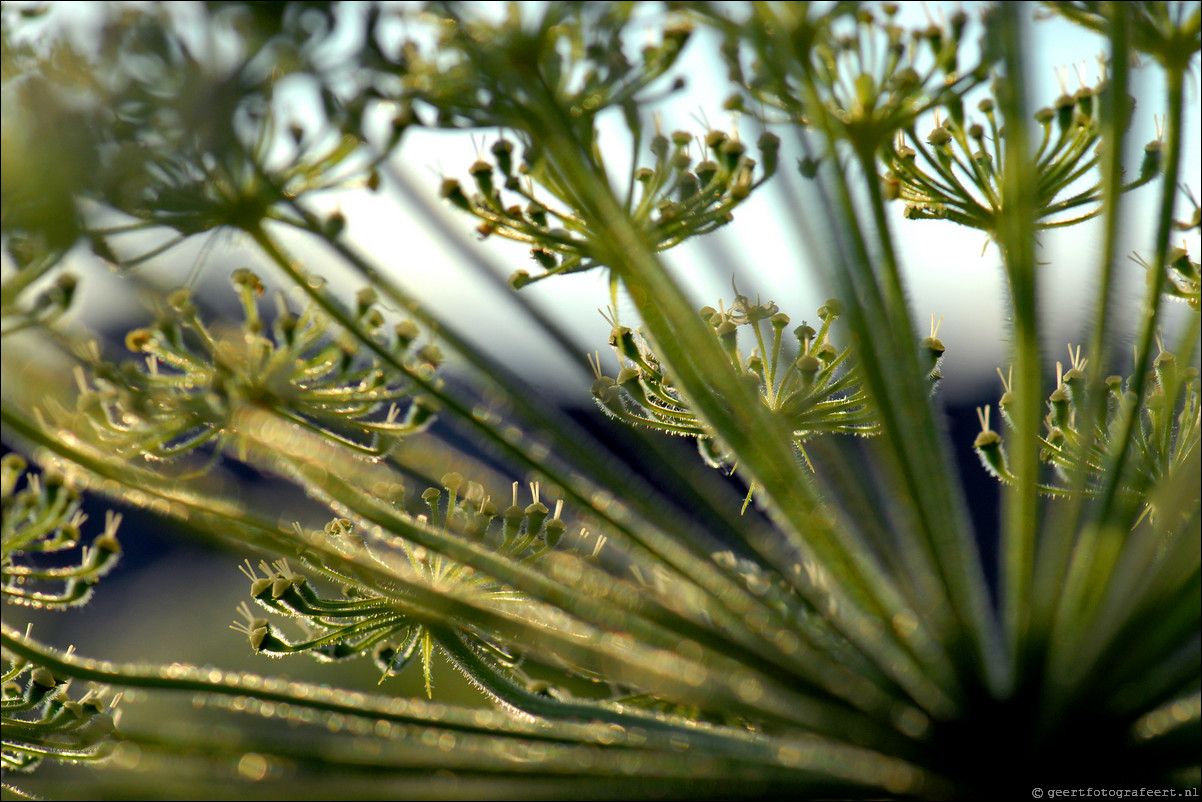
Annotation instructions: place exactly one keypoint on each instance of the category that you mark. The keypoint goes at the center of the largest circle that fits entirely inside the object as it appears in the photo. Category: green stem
(947, 552)
(483, 674)
(189, 680)
(1016, 228)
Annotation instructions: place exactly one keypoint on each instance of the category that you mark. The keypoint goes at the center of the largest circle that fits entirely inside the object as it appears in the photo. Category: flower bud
(535, 514)
(502, 149)
(730, 151)
(988, 445)
(545, 258)
(1064, 111)
(452, 481)
(1152, 159)
(181, 301)
(481, 172)
(706, 171)
(452, 192)
(659, 146)
(687, 187)
(769, 145)
(554, 532)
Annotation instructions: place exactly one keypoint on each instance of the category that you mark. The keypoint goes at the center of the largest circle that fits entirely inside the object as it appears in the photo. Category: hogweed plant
(835, 635)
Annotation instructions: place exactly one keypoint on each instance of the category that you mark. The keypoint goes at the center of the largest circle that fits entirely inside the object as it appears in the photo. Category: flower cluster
(1167, 427)
(568, 59)
(238, 189)
(44, 518)
(20, 307)
(955, 172)
(805, 379)
(676, 198)
(40, 521)
(304, 368)
(366, 621)
(865, 77)
(41, 720)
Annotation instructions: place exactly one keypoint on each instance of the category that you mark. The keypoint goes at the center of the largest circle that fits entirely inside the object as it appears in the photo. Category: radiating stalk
(1016, 229)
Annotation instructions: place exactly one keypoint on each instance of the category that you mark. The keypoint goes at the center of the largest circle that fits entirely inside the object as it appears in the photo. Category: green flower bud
(808, 364)
(452, 481)
(481, 172)
(431, 355)
(519, 279)
(687, 187)
(181, 301)
(406, 333)
(511, 520)
(537, 213)
(1058, 402)
(1165, 368)
(545, 258)
(334, 225)
(536, 514)
(988, 445)
(730, 151)
(1064, 111)
(769, 145)
(1152, 159)
(502, 149)
(905, 79)
(451, 191)
(554, 532)
(659, 146)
